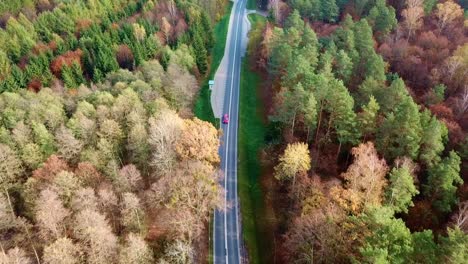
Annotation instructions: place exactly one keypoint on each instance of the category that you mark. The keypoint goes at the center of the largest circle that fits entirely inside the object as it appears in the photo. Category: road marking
(227, 137)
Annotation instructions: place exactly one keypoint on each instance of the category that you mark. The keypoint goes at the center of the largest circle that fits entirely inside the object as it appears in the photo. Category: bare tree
(51, 214)
(15, 255)
(62, 251)
(178, 252)
(68, 146)
(413, 15)
(95, 234)
(129, 179)
(84, 198)
(132, 214)
(163, 133)
(460, 219)
(136, 250)
(461, 104)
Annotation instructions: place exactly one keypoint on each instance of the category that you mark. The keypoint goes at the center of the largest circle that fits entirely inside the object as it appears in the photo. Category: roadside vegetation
(370, 97)
(101, 157)
(252, 129)
(202, 108)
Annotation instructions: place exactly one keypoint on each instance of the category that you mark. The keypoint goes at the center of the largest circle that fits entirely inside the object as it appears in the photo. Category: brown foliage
(125, 57)
(40, 48)
(44, 5)
(199, 141)
(35, 85)
(317, 237)
(365, 180)
(421, 217)
(50, 168)
(83, 24)
(88, 174)
(442, 111)
(67, 59)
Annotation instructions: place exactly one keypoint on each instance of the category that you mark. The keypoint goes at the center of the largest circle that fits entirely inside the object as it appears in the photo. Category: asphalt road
(226, 233)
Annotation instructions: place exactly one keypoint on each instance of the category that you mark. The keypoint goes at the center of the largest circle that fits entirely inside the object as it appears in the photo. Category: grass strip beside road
(202, 107)
(252, 129)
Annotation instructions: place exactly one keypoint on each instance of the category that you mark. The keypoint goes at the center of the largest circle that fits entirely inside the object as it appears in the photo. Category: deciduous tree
(136, 250)
(446, 13)
(294, 160)
(50, 214)
(62, 251)
(95, 234)
(365, 180)
(198, 141)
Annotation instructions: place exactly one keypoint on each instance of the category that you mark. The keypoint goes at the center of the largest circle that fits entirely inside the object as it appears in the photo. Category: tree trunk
(338, 152)
(293, 123)
(24, 226)
(319, 122)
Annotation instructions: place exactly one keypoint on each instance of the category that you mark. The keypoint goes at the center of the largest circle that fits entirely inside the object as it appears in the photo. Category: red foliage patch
(67, 59)
(51, 167)
(40, 48)
(35, 85)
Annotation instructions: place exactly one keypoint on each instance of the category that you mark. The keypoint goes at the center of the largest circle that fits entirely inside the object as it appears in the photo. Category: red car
(225, 118)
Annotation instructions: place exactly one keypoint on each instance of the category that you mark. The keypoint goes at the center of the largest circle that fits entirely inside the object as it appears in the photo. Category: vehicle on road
(225, 118)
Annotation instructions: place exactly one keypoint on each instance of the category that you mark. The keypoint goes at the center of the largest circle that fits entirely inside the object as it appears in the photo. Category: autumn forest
(106, 157)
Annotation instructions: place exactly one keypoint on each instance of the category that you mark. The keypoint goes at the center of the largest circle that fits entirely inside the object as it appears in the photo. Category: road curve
(226, 234)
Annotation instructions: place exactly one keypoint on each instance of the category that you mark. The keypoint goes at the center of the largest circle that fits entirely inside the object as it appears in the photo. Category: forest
(101, 157)
(365, 156)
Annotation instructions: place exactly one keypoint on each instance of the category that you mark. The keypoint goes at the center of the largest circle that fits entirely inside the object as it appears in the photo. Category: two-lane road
(227, 234)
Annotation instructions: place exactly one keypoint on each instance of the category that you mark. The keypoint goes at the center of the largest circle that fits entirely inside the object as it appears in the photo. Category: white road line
(227, 144)
(235, 165)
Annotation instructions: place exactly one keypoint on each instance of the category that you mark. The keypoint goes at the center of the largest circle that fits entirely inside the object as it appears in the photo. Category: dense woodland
(101, 159)
(368, 129)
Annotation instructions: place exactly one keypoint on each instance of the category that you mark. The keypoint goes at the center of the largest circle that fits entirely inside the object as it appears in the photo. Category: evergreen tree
(442, 182)
(390, 97)
(294, 20)
(382, 18)
(68, 77)
(329, 10)
(368, 117)
(425, 250)
(434, 132)
(389, 240)
(344, 66)
(200, 53)
(400, 192)
(400, 133)
(342, 116)
(454, 246)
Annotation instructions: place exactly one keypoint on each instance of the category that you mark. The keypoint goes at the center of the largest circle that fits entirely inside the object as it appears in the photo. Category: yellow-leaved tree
(295, 160)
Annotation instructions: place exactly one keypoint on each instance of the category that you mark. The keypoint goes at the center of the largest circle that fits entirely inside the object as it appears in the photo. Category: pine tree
(432, 145)
(382, 18)
(400, 192)
(200, 52)
(389, 240)
(400, 133)
(342, 116)
(68, 77)
(368, 117)
(329, 10)
(442, 182)
(294, 20)
(344, 66)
